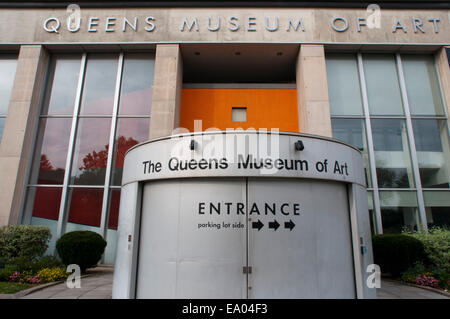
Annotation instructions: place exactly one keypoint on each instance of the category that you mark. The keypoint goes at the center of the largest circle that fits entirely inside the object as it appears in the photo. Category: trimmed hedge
(396, 253)
(436, 243)
(23, 242)
(84, 248)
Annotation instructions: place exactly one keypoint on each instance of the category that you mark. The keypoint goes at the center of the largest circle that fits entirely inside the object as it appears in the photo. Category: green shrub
(84, 248)
(27, 268)
(443, 276)
(3, 262)
(437, 246)
(396, 253)
(48, 261)
(23, 241)
(22, 264)
(7, 271)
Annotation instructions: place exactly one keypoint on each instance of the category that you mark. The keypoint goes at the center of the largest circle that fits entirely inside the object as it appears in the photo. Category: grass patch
(7, 287)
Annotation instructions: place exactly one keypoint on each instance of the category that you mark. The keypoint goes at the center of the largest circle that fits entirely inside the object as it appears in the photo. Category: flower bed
(42, 276)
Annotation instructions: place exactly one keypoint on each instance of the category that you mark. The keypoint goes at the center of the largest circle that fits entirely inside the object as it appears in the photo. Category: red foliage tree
(99, 159)
(124, 144)
(95, 159)
(45, 164)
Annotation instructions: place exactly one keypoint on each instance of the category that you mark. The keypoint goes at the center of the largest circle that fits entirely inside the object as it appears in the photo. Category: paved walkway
(99, 286)
(391, 289)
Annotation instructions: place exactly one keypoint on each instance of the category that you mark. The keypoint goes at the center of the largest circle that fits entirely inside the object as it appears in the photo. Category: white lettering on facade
(251, 24)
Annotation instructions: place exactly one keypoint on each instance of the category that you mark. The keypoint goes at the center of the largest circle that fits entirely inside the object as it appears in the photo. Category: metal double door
(245, 238)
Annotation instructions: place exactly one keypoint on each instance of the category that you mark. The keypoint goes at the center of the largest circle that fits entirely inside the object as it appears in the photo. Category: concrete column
(312, 91)
(444, 75)
(167, 85)
(17, 142)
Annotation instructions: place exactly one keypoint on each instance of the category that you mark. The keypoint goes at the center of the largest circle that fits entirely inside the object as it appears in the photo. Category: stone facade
(168, 29)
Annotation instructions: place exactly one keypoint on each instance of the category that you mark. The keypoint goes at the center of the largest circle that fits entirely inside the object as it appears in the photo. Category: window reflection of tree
(397, 219)
(392, 178)
(94, 163)
(45, 165)
(48, 174)
(389, 177)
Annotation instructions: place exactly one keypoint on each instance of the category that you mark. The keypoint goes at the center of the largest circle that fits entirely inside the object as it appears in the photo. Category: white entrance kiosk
(243, 214)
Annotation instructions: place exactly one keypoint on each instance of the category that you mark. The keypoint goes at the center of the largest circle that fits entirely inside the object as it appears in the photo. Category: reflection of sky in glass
(64, 86)
(383, 89)
(99, 85)
(56, 141)
(422, 85)
(137, 81)
(138, 129)
(102, 106)
(7, 73)
(136, 102)
(343, 84)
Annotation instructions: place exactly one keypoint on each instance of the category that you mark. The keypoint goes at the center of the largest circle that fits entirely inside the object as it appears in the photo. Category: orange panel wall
(266, 108)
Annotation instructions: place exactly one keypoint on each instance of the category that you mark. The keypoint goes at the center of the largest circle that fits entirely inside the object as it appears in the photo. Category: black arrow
(274, 225)
(289, 225)
(258, 225)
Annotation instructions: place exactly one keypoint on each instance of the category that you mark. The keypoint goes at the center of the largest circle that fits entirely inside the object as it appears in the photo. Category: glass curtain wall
(8, 64)
(390, 107)
(96, 107)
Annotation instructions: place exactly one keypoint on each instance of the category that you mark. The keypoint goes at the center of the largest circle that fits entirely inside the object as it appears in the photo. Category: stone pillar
(167, 85)
(312, 91)
(444, 75)
(21, 123)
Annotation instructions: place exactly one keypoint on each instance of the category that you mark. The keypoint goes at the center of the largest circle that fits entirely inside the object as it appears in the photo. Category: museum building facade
(82, 83)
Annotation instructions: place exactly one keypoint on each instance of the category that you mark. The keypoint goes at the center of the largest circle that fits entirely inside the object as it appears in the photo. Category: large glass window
(437, 205)
(91, 151)
(392, 157)
(52, 145)
(8, 66)
(136, 85)
(410, 153)
(383, 89)
(422, 85)
(82, 114)
(343, 84)
(399, 211)
(433, 154)
(346, 104)
(99, 85)
(62, 85)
